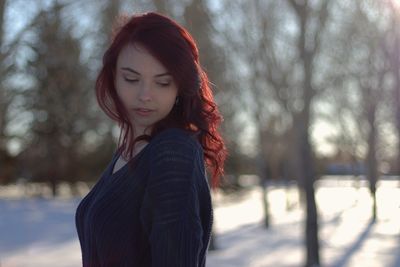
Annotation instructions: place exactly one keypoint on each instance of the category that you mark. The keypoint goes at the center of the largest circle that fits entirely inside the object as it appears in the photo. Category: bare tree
(372, 68)
(3, 104)
(55, 101)
(9, 92)
(247, 45)
(4, 101)
(391, 46)
(200, 20)
(311, 20)
(289, 81)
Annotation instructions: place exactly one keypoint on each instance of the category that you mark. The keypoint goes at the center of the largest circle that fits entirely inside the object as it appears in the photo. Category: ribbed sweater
(158, 214)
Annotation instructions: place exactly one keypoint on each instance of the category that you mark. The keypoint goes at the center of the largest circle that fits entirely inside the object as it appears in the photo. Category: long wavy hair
(173, 46)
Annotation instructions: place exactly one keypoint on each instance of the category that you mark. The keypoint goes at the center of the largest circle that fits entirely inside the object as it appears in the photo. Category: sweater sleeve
(176, 230)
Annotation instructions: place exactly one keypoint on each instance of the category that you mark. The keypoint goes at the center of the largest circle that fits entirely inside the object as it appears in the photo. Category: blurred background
(310, 94)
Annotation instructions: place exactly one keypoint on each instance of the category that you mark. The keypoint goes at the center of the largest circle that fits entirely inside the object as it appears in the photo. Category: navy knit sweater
(159, 214)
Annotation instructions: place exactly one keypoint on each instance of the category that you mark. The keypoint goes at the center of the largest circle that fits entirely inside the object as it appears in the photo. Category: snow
(40, 232)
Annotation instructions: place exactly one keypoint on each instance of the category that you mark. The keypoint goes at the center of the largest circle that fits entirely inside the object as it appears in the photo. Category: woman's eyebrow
(163, 74)
(138, 73)
(130, 70)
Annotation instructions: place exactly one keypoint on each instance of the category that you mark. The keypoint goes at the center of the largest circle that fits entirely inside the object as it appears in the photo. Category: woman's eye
(164, 84)
(130, 80)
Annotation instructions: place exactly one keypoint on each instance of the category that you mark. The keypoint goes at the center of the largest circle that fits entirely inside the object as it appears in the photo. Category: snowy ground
(41, 232)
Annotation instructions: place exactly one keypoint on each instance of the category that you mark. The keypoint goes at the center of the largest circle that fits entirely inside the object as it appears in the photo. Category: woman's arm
(172, 191)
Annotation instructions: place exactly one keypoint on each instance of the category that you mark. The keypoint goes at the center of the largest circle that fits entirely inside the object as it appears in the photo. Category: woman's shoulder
(176, 138)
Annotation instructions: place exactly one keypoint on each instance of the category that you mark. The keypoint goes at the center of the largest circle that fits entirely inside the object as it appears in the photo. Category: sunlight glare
(395, 4)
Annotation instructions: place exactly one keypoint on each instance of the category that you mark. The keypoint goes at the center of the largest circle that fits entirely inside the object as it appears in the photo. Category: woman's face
(145, 87)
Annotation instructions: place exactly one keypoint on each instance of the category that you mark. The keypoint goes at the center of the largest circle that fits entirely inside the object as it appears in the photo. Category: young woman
(152, 204)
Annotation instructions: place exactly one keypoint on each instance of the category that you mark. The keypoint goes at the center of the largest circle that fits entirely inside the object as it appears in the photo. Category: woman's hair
(174, 47)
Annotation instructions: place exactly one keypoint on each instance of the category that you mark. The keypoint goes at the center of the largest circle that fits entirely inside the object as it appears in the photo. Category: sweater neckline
(118, 154)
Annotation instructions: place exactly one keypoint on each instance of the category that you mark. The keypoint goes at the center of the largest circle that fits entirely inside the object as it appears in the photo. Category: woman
(152, 205)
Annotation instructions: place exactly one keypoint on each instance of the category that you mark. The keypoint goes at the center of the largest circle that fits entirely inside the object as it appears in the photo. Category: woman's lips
(143, 111)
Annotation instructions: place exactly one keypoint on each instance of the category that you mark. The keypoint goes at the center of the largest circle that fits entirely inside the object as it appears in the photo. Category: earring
(176, 100)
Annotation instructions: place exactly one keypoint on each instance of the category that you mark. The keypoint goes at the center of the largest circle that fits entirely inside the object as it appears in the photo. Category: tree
(198, 18)
(391, 55)
(281, 66)
(371, 67)
(308, 48)
(7, 97)
(56, 102)
(3, 104)
(4, 100)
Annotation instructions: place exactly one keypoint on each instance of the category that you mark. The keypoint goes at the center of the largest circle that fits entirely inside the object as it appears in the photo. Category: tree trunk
(307, 179)
(396, 96)
(307, 54)
(53, 182)
(371, 161)
(265, 205)
(3, 101)
(263, 174)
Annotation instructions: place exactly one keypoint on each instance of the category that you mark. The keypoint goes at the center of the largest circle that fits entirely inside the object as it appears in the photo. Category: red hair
(175, 48)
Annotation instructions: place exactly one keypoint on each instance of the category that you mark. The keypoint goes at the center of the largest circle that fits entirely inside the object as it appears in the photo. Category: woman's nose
(145, 92)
